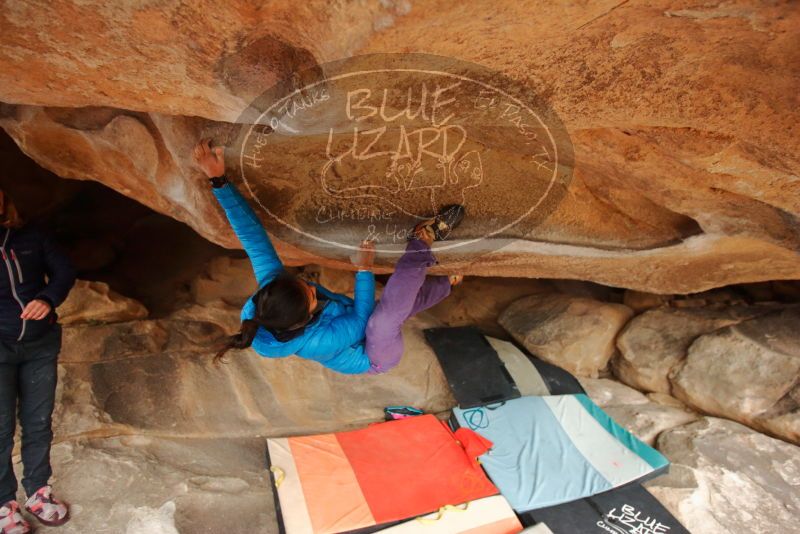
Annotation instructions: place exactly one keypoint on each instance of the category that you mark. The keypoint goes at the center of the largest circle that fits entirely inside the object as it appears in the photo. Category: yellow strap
(442, 511)
(279, 475)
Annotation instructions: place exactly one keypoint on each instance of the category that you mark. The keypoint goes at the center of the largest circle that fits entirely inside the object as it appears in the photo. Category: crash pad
(630, 509)
(330, 483)
(555, 449)
(532, 375)
(472, 367)
(491, 515)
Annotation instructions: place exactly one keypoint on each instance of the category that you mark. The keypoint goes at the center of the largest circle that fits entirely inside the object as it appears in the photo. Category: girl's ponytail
(242, 340)
(280, 306)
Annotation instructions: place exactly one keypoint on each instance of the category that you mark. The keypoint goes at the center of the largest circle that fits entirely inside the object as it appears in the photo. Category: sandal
(11, 521)
(46, 508)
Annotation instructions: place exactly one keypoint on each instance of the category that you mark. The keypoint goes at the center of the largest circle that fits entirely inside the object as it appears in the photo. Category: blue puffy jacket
(336, 338)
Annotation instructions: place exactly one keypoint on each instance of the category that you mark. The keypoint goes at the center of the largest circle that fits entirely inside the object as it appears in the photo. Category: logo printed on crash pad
(628, 520)
(476, 418)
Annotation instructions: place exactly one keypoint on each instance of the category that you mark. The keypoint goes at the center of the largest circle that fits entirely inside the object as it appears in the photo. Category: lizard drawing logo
(368, 146)
(427, 168)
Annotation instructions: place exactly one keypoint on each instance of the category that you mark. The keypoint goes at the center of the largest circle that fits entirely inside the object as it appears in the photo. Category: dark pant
(407, 292)
(28, 376)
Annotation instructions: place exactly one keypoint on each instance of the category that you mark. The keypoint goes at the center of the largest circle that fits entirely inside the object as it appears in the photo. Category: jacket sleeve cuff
(46, 299)
(218, 181)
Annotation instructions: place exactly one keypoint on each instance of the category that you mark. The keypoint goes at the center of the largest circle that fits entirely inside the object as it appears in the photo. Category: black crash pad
(630, 509)
(476, 373)
(473, 369)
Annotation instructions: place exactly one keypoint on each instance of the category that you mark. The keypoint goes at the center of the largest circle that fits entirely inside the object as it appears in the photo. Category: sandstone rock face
(227, 279)
(95, 302)
(726, 478)
(653, 343)
(170, 384)
(152, 438)
(574, 333)
(640, 301)
(606, 392)
(135, 484)
(682, 180)
(748, 372)
(216, 312)
(151, 521)
(639, 415)
(479, 301)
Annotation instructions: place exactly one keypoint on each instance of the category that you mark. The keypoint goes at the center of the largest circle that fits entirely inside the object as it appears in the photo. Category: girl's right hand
(210, 160)
(365, 256)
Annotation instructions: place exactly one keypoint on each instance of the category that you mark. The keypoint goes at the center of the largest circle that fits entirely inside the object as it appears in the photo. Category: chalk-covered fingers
(210, 160)
(365, 256)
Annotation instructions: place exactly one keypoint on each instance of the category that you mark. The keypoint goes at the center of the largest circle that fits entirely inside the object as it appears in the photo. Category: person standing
(34, 279)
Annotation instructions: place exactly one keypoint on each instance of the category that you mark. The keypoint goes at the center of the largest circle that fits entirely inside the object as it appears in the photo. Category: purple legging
(407, 293)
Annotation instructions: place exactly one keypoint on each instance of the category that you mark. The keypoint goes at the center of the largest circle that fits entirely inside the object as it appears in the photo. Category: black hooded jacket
(27, 255)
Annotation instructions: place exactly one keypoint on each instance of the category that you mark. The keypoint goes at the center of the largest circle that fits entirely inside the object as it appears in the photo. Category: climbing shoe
(11, 521)
(440, 227)
(46, 508)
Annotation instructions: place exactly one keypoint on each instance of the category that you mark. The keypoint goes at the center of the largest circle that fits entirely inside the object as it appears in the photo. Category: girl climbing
(289, 316)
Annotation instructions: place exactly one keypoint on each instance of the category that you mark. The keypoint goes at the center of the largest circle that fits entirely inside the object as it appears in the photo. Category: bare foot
(424, 232)
(456, 279)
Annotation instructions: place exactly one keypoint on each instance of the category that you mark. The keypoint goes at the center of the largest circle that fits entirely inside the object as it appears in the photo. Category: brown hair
(9, 216)
(280, 305)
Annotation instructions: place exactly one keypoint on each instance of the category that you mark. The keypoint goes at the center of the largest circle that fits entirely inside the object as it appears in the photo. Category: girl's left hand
(365, 256)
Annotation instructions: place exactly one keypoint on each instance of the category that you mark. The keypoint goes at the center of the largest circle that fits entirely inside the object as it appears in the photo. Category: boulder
(95, 302)
(714, 298)
(577, 334)
(652, 343)
(589, 290)
(680, 183)
(171, 385)
(227, 279)
(151, 437)
(216, 312)
(479, 301)
(147, 520)
(642, 417)
(77, 412)
(640, 301)
(606, 392)
(648, 421)
(728, 479)
(748, 372)
(666, 400)
(151, 485)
